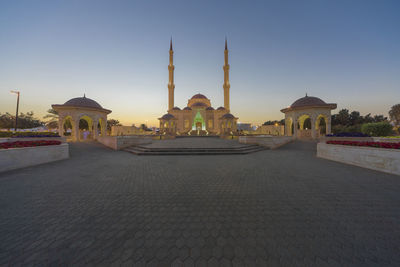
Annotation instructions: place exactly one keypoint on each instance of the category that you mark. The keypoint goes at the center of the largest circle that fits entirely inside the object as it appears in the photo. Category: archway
(304, 126)
(320, 124)
(67, 126)
(198, 122)
(86, 128)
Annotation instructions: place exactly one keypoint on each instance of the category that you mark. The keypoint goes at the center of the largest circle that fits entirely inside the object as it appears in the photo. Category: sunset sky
(116, 52)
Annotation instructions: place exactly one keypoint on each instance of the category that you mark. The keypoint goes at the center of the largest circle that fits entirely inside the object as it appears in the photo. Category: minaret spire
(226, 85)
(171, 85)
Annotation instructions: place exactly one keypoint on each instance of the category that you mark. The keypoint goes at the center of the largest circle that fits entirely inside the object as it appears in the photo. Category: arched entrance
(67, 126)
(304, 126)
(320, 125)
(198, 122)
(86, 128)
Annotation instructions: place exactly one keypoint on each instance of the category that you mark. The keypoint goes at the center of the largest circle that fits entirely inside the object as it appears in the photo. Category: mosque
(198, 117)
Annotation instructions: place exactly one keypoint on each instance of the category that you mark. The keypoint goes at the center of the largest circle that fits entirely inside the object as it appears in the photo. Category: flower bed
(366, 144)
(348, 135)
(18, 144)
(28, 134)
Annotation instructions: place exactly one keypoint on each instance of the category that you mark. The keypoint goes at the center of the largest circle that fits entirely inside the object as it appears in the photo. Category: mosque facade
(198, 117)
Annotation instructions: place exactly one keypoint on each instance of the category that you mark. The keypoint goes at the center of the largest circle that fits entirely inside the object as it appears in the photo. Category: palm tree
(52, 117)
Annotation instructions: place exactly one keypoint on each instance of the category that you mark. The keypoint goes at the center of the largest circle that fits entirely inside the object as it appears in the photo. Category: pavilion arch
(304, 108)
(89, 133)
(86, 109)
(319, 127)
(65, 120)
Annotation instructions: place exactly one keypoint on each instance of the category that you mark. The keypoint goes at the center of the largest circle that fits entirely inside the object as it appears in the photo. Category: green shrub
(346, 129)
(377, 129)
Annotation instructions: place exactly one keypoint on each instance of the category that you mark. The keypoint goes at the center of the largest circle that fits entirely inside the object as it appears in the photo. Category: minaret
(226, 78)
(171, 85)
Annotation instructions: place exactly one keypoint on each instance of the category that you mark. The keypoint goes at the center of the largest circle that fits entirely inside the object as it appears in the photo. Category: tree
(281, 122)
(7, 121)
(112, 122)
(394, 114)
(343, 117)
(52, 117)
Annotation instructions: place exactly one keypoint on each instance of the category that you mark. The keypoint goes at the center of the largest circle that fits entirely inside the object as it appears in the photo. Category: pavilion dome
(221, 108)
(308, 101)
(83, 102)
(228, 116)
(176, 108)
(167, 116)
(199, 96)
(209, 108)
(187, 108)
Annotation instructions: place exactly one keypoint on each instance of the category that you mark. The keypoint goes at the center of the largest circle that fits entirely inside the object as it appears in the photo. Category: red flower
(17, 144)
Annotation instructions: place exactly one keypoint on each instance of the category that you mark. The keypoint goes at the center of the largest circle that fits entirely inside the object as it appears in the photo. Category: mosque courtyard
(283, 207)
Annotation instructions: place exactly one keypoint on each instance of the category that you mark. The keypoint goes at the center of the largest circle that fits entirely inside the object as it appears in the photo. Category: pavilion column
(60, 126)
(75, 130)
(313, 131)
(295, 128)
(328, 125)
(104, 127)
(95, 130)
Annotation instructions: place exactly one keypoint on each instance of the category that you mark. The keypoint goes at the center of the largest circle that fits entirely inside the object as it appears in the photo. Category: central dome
(199, 96)
(83, 102)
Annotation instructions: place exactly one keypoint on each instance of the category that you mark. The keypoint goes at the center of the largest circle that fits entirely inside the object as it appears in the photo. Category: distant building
(244, 126)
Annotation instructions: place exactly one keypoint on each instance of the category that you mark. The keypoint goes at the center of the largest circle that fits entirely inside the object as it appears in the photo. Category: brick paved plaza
(104, 207)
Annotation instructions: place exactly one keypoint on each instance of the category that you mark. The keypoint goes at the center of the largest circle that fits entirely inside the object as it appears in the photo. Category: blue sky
(345, 52)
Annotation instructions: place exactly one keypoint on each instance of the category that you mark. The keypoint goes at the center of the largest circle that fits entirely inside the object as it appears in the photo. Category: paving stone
(274, 207)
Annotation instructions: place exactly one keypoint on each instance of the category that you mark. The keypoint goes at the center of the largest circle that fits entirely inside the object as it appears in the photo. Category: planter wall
(121, 142)
(271, 142)
(15, 158)
(379, 159)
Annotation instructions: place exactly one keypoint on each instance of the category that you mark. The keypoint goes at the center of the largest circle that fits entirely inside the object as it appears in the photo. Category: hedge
(377, 128)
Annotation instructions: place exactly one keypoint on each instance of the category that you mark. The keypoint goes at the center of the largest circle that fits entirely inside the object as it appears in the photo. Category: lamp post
(16, 114)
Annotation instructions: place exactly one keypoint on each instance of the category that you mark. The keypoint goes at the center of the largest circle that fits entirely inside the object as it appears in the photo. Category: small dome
(167, 116)
(187, 108)
(228, 116)
(210, 108)
(199, 96)
(199, 105)
(176, 108)
(83, 102)
(221, 108)
(308, 101)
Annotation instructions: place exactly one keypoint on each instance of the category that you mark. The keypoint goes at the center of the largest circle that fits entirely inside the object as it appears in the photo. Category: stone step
(196, 151)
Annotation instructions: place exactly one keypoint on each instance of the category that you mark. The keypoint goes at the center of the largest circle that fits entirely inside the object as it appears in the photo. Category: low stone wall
(121, 142)
(271, 142)
(15, 158)
(379, 159)
(360, 139)
(15, 139)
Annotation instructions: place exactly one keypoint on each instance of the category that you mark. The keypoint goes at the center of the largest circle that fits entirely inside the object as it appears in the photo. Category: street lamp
(16, 115)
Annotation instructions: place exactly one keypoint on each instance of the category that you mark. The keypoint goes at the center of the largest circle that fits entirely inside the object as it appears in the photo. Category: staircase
(235, 150)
